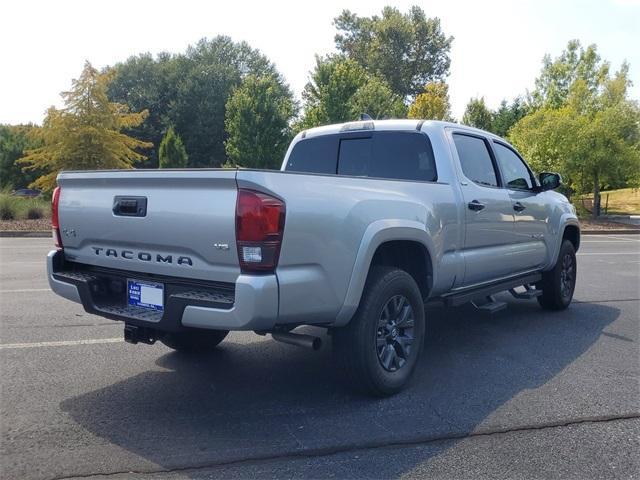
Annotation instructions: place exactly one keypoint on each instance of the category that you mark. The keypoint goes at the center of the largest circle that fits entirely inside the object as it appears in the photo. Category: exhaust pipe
(298, 339)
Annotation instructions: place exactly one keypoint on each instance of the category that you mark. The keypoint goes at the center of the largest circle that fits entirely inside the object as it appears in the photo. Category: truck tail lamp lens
(55, 220)
(259, 228)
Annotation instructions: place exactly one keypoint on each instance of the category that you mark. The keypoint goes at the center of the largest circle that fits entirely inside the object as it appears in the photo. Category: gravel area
(42, 224)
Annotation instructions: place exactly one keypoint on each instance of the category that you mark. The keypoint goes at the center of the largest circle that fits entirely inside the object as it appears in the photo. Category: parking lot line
(64, 343)
(621, 240)
(626, 239)
(610, 253)
(26, 290)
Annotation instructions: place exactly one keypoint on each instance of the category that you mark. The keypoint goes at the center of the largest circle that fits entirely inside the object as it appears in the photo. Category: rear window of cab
(383, 154)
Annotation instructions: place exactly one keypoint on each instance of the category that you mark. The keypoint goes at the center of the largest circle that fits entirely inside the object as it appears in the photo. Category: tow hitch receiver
(134, 334)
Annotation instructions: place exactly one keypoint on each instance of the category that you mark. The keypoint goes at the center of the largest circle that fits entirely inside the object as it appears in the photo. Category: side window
(403, 155)
(314, 155)
(514, 171)
(475, 160)
(355, 156)
(392, 155)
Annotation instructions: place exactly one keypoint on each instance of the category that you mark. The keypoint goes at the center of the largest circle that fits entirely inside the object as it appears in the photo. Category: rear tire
(379, 349)
(194, 341)
(559, 283)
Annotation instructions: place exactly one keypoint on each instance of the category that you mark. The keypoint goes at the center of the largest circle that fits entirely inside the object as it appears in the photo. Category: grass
(17, 208)
(625, 201)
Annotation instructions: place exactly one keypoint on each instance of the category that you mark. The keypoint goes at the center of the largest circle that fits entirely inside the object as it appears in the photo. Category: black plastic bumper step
(528, 293)
(491, 305)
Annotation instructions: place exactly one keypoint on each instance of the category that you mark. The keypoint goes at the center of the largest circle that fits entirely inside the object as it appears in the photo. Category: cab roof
(387, 125)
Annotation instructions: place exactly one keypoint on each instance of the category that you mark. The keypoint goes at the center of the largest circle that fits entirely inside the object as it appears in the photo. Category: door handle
(476, 206)
(518, 207)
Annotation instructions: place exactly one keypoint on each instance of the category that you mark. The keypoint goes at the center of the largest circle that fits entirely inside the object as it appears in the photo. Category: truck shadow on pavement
(265, 400)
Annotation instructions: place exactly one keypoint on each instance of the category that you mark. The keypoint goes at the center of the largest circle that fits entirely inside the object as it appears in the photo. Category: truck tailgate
(187, 230)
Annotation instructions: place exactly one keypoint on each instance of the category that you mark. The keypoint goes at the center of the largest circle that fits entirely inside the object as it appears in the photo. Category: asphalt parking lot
(521, 394)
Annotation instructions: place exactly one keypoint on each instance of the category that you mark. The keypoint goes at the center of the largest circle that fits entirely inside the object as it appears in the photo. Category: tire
(194, 341)
(372, 348)
(559, 283)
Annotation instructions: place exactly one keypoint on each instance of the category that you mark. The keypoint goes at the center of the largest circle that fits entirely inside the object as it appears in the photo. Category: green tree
(593, 139)
(376, 99)
(326, 96)
(14, 141)
(406, 50)
(210, 71)
(188, 91)
(86, 134)
(146, 83)
(507, 116)
(172, 153)
(575, 63)
(340, 90)
(257, 122)
(432, 103)
(477, 114)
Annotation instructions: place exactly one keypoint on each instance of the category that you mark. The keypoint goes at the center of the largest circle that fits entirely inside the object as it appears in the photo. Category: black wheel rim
(395, 333)
(567, 276)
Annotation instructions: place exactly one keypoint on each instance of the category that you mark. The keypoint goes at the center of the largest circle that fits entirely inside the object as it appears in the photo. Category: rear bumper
(249, 304)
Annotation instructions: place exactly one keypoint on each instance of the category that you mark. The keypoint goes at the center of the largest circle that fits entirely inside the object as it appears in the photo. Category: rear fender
(376, 234)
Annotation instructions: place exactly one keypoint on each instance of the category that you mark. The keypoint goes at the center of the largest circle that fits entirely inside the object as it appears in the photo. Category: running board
(470, 294)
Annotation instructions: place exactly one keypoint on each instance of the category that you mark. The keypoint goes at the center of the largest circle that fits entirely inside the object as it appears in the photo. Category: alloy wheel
(395, 333)
(567, 276)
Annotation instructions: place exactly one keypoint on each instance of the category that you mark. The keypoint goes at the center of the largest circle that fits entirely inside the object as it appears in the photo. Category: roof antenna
(365, 116)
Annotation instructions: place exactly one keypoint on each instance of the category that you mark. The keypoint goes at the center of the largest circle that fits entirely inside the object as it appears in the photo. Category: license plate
(145, 294)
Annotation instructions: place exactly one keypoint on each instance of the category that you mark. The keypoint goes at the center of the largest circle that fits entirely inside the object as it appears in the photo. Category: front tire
(194, 341)
(559, 283)
(379, 349)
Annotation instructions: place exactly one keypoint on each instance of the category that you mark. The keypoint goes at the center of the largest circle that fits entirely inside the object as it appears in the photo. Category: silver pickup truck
(364, 223)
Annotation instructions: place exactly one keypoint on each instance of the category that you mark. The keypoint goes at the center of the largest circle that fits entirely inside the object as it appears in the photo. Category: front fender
(565, 220)
(376, 234)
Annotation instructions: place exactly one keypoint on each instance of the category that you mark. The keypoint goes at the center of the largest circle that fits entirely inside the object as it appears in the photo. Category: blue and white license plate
(145, 294)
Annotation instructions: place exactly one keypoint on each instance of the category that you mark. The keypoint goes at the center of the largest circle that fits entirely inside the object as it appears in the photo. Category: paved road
(523, 394)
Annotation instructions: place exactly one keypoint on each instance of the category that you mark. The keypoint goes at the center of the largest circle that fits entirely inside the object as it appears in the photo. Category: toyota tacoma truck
(364, 223)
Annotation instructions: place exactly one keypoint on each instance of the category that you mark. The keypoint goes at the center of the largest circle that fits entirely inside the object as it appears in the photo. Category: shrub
(14, 208)
(8, 208)
(34, 213)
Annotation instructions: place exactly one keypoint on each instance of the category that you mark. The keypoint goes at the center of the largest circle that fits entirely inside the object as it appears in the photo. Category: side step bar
(469, 295)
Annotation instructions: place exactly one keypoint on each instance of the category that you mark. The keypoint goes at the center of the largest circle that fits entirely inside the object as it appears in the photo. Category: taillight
(259, 227)
(55, 220)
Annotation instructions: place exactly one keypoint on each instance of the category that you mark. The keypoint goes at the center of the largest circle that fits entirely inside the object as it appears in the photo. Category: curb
(25, 233)
(620, 231)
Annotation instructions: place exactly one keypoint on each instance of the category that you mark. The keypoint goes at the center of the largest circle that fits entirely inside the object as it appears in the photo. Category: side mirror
(549, 181)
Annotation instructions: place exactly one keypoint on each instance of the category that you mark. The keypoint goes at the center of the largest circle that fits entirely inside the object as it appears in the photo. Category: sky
(497, 50)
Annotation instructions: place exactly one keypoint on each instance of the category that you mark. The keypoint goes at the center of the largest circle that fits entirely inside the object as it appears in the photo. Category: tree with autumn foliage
(86, 134)
(432, 103)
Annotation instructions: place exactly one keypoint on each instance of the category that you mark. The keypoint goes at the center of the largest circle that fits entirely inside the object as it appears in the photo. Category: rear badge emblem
(221, 246)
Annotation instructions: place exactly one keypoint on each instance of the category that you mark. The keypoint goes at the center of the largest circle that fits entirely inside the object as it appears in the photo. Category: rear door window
(314, 155)
(403, 155)
(392, 155)
(475, 160)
